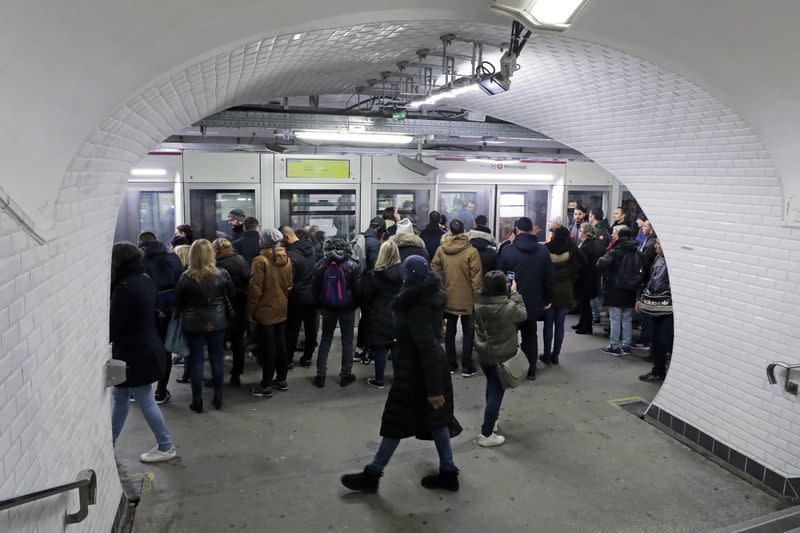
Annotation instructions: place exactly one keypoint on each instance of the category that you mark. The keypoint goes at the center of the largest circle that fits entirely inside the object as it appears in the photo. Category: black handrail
(87, 494)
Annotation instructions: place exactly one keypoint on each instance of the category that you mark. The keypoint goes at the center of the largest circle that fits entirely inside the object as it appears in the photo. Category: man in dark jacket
(578, 218)
(601, 227)
(249, 243)
(164, 269)
(647, 253)
(533, 271)
(236, 219)
(390, 219)
(620, 271)
(662, 323)
(621, 219)
(335, 289)
(302, 309)
(484, 242)
(432, 233)
(373, 237)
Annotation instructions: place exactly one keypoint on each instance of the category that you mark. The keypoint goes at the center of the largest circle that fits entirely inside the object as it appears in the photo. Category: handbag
(513, 371)
(658, 304)
(175, 342)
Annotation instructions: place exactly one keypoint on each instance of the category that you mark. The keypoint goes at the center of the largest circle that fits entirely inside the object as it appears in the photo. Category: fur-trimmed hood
(488, 237)
(406, 240)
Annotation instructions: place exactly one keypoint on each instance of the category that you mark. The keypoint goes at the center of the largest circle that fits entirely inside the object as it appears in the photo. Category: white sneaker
(496, 426)
(156, 456)
(492, 440)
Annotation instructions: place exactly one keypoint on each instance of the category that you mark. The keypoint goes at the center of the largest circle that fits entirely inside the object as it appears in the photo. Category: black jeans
(363, 327)
(163, 324)
(236, 330)
(662, 330)
(585, 307)
(305, 315)
(346, 319)
(530, 341)
(272, 346)
(468, 338)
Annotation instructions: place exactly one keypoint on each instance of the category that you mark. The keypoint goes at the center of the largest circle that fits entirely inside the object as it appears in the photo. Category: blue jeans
(379, 352)
(596, 305)
(621, 326)
(146, 401)
(494, 399)
(216, 346)
(441, 437)
(554, 318)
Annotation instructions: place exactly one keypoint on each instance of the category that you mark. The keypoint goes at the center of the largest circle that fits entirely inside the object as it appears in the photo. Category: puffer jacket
(409, 244)
(487, 249)
(420, 366)
(340, 254)
(380, 287)
(303, 258)
(268, 291)
(203, 303)
(459, 264)
(496, 319)
(609, 264)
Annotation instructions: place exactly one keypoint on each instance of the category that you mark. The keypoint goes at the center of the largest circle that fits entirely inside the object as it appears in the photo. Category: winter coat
(630, 224)
(248, 245)
(533, 272)
(237, 268)
(203, 304)
(647, 252)
(372, 245)
(268, 291)
(164, 268)
(237, 232)
(609, 264)
(133, 330)
(352, 272)
(303, 258)
(459, 264)
(380, 287)
(486, 246)
(603, 232)
(409, 244)
(589, 283)
(496, 320)
(659, 277)
(420, 366)
(432, 236)
(567, 263)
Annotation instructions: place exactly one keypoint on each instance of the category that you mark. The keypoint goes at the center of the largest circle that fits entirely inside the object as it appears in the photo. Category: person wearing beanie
(420, 401)
(248, 245)
(336, 289)
(408, 242)
(236, 218)
(267, 306)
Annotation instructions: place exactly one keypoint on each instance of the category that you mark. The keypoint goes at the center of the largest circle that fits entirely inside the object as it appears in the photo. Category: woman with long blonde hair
(379, 288)
(203, 297)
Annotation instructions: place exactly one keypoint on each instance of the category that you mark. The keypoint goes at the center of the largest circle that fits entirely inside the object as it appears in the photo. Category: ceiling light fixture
(150, 172)
(549, 15)
(493, 161)
(495, 177)
(495, 84)
(443, 94)
(353, 137)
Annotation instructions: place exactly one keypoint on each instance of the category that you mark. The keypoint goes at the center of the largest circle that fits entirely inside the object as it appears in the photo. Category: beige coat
(268, 291)
(459, 264)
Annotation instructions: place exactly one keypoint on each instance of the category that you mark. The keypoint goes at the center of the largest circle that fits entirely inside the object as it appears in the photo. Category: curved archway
(686, 156)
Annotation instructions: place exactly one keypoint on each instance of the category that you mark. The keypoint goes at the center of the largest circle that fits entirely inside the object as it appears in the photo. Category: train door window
(590, 199)
(413, 204)
(332, 211)
(209, 210)
(630, 205)
(466, 205)
(514, 204)
(146, 210)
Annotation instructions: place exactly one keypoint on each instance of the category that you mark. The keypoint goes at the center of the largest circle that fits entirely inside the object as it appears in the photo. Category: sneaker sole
(491, 445)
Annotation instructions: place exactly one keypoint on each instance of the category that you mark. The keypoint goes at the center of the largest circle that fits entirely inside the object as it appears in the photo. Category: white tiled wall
(701, 175)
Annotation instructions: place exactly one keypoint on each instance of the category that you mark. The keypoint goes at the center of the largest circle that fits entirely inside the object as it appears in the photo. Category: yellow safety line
(629, 399)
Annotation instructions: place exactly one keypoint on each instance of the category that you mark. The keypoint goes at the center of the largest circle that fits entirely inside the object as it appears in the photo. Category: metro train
(341, 193)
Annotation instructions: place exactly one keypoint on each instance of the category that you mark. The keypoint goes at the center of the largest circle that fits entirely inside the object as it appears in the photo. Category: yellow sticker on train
(318, 168)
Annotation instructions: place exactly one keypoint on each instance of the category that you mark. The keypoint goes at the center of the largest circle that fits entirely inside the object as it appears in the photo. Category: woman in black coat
(420, 402)
(229, 260)
(380, 287)
(134, 340)
(587, 286)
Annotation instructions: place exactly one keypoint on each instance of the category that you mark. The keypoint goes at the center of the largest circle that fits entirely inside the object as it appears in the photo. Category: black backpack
(630, 272)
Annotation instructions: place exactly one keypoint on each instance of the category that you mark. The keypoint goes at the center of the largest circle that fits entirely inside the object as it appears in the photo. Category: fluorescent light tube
(148, 172)
(493, 161)
(345, 136)
(555, 11)
(499, 176)
(550, 15)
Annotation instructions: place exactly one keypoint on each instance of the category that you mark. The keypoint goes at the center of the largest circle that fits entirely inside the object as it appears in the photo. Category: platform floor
(572, 462)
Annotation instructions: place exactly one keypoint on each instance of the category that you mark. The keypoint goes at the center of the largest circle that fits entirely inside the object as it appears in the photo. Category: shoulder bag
(514, 371)
(175, 342)
(658, 304)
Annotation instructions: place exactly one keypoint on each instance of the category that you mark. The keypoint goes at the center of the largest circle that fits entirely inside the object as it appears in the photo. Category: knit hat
(415, 270)
(377, 222)
(405, 227)
(238, 214)
(270, 238)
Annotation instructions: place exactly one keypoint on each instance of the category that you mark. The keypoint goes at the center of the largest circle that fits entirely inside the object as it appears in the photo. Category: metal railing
(789, 386)
(87, 494)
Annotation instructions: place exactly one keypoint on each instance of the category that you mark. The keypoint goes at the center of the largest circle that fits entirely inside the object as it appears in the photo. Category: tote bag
(514, 371)
(176, 339)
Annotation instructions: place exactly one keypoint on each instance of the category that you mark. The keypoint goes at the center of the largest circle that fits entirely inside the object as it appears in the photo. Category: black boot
(366, 481)
(444, 480)
(196, 406)
(217, 401)
(554, 359)
(545, 358)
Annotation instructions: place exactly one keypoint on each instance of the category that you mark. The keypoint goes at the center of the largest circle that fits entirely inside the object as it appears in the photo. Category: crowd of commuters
(413, 287)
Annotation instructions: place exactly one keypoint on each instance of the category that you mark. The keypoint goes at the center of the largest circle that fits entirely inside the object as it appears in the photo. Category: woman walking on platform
(420, 402)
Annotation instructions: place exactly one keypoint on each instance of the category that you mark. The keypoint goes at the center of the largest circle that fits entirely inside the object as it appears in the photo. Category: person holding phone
(420, 402)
